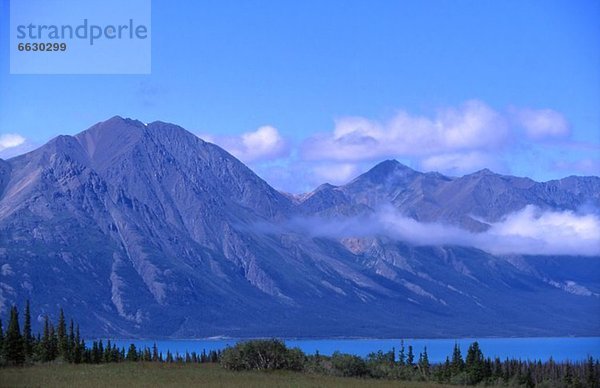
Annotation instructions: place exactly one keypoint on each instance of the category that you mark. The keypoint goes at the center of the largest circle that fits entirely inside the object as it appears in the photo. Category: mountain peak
(107, 137)
(386, 170)
(114, 125)
(391, 164)
(119, 120)
(482, 172)
(325, 186)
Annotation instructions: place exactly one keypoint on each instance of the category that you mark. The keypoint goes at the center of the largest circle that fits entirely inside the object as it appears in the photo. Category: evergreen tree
(590, 377)
(27, 337)
(497, 369)
(411, 357)
(1, 344)
(401, 355)
(474, 364)
(95, 357)
(108, 353)
(457, 363)
(214, 355)
(568, 376)
(78, 348)
(62, 335)
(100, 355)
(45, 342)
(528, 380)
(2, 358)
(87, 354)
(14, 350)
(447, 371)
(154, 352)
(37, 347)
(116, 354)
(487, 369)
(424, 362)
(53, 343)
(71, 342)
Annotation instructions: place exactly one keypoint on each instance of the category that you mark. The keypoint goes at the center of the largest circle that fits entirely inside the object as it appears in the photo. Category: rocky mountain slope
(146, 230)
(468, 201)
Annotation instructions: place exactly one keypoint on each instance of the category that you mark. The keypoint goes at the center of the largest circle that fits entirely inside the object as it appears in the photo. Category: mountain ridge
(429, 196)
(150, 230)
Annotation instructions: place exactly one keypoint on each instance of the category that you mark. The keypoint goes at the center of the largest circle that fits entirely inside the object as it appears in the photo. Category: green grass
(174, 375)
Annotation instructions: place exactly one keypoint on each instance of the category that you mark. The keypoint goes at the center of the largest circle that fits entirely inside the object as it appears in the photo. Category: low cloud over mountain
(148, 230)
(530, 231)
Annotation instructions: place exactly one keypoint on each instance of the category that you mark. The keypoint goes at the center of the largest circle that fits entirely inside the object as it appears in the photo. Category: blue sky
(313, 91)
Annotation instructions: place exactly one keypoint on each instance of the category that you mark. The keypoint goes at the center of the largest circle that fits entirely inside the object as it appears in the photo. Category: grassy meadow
(134, 374)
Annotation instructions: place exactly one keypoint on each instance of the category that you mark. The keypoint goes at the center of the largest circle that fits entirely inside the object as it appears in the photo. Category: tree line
(61, 343)
(404, 365)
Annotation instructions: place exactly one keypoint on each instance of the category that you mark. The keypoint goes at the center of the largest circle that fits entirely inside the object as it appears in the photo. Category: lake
(560, 349)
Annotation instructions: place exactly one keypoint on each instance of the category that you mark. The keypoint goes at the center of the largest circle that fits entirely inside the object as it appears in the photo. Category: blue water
(560, 349)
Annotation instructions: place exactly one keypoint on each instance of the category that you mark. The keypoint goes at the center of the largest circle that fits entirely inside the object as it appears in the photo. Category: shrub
(381, 365)
(262, 355)
(296, 359)
(348, 365)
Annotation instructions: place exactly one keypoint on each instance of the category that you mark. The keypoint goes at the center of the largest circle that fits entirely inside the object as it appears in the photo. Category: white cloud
(453, 140)
(542, 123)
(529, 231)
(13, 145)
(587, 166)
(474, 126)
(10, 140)
(532, 231)
(335, 173)
(461, 163)
(265, 141)
(296, 176)
(263, 144)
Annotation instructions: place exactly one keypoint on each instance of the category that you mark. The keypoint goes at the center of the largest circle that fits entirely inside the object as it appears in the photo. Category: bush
(382, 365)
(459, 379)
(262, 355)
(348, 365)
(296, 359)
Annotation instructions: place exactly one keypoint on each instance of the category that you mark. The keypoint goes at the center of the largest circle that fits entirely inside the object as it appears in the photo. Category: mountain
(464, 201)
(147, 230)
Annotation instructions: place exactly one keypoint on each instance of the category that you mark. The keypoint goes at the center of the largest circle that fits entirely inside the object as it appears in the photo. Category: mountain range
(145, 230)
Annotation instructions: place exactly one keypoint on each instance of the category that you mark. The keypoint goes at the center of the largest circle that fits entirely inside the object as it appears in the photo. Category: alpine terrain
(148, 231)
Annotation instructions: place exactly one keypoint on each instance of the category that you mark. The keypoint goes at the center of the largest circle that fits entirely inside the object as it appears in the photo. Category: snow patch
(6, 270)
